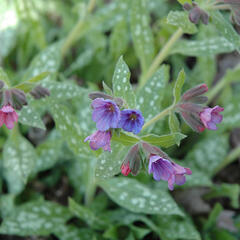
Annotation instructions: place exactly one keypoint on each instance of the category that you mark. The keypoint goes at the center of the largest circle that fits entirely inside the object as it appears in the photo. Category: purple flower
(105, 113)
(166, 170)
(100, 139)
(210, 117)
(8, 116)
(131, 121)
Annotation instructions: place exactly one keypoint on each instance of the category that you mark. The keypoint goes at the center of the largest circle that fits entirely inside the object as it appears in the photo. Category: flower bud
(187, 6)
(194, 92)
(194, 15)
(95, 95)
(40, 92)
(18, 98)
(150, 149)
(204, 17)
(7, 98)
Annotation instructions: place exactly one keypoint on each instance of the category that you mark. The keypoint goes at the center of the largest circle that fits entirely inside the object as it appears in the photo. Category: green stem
(162, 114)
(216, 89)
(220, 7)
(160, 57)
(233, 155)
(77, 30)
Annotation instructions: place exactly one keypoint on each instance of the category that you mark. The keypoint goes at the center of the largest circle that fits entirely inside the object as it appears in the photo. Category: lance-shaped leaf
(178, 86)
(39, 218)
(4, 77)
(121, 84)
(164, 140)
(180, 19)
(125, 139)
(137, 197)
(141, 33)
(18, 162)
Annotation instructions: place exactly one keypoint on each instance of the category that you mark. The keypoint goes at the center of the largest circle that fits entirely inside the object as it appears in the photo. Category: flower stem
(162, 114)
(220, 7)
(78, 29)
(160, 57)
(235, 153)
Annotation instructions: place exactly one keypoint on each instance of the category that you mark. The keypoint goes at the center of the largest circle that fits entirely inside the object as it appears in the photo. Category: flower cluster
(108, 116)
(14, 99)
(197, 116)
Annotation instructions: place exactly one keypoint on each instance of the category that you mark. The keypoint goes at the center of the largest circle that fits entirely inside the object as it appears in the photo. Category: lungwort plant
(108, 105)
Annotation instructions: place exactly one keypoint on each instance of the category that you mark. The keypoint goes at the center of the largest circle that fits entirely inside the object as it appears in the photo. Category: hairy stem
(233, 155)
(162, 114)
(160, 57)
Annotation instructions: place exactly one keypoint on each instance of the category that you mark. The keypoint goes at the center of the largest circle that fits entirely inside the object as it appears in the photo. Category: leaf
(38, 218)
(125, 139)
(4, 77)
(164, 140)
(174, 126)
(68, 126)
(109, 164)
(226, 29)
(172, 227)
(71, 232)
(205, 47)
(141, 33)
(150, 97)
(31, 117)
(7, 204)
(46, 61)
(18, 162)
(185, 1)
(107, 89)
(119, 39)
(208, 153)
(180, 19)
(137, 197)
(121, 84)
(27, 86)
(178, 86)
(95, 222)
(231, 191)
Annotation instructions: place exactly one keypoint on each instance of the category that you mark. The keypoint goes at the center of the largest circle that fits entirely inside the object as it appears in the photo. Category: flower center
(133, 117)
(111, 108)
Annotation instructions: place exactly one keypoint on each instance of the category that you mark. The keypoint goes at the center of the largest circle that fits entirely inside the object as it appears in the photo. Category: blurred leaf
(71, 232)
(39, 218)
(125, 139)
(139, 232)
(226, 29)
(109, 164)
(136, 197)
(141, 33)
(164, 140)
(225, 190)
(4, 77)
(178, 86)
(119, 39)
(107, 89)
(7, 204)
(95, 222)
(18, 162)
(206, 47)
(172, 227)
(31, 117)
(208, 153)
(121, 84)
(185, 1)
(150, 97)
(174, 126)
(180, 19)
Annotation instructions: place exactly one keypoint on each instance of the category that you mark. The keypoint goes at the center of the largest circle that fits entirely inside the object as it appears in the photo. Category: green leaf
(119, 39)
(225, 190)
(141, 33)
(208, 153)
(18, 162)
(46, 61)
(7, 204)
(137, 197)
(226, 29)
(107, 89)
(125, 139)
(27, 86)
(109, 164)
(68, 126)
(31, 117)
(174, 126)
(178, 86)
(185, 1)
(172, 227)
(4, 77)
(180, 19)
(150, 97)
(121, 84)
(72, 232)
(164, 140)
(205, 47)
(39, 218)
(95, 222)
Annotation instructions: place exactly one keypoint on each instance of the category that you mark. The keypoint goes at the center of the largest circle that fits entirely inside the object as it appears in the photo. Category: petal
(2, 118)
(98, 102)
(217, 118)
(180, 179)
(211, 126)
(9, 121)
(171, 181)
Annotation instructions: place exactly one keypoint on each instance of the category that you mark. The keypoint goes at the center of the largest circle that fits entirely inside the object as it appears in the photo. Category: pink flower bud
(194, 92)
(125, 169)
(8, 116)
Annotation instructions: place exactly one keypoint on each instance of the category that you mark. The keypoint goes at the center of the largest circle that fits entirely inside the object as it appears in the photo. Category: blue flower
(131, 121)
(106, 114)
